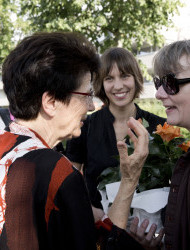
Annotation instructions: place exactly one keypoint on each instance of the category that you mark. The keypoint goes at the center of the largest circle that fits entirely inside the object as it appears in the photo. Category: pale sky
(182, 25)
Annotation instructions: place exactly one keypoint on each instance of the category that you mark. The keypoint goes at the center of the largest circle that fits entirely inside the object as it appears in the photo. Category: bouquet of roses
(166, 145)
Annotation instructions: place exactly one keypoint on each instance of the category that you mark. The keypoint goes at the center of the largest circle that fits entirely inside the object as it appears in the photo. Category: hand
(131, 166)
(147, 240)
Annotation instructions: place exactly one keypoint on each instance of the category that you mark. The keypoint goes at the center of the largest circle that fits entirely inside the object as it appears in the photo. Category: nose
(91, 106)
(118, 84)
(161, 93)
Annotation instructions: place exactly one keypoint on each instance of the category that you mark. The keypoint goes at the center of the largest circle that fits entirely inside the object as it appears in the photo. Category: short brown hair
(167, 60)
(126, 63)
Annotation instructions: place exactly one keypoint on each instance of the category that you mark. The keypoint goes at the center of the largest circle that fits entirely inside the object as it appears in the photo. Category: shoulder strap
(5, 115)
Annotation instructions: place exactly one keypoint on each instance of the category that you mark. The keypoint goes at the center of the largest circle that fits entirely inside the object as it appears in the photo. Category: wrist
(128, 183)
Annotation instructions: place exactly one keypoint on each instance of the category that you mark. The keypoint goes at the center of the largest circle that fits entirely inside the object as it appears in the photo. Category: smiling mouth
(168, 108)
(121, 94)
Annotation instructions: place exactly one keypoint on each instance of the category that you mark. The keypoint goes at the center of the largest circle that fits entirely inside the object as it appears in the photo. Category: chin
(172, 122)
(76, 133)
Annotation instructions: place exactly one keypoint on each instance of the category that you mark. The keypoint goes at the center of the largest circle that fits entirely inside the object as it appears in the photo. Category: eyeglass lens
(168, 83)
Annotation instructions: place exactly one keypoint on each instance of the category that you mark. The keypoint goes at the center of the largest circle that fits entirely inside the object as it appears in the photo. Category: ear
(48, 104)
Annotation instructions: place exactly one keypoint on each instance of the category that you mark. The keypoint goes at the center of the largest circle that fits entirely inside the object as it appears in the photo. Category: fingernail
(154, 225)
(136, 218)
(145, 222)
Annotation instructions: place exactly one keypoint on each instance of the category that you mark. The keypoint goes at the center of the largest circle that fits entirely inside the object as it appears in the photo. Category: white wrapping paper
(146, 205)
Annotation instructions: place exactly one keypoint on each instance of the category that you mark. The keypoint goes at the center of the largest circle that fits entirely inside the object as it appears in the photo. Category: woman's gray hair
(167, 60)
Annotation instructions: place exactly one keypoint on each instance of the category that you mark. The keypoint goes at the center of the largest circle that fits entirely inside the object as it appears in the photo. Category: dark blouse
(177, 219)
(97, 146)
(5, 115)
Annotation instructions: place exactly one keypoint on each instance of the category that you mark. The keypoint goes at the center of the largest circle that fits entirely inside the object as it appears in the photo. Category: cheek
(182, 102)
(77, 108)
(131, 84)
(132, 87)
(184, 109)
(107, 87)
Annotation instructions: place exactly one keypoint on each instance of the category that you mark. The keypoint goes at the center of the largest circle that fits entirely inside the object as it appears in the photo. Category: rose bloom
(167, 132)
(185, 146)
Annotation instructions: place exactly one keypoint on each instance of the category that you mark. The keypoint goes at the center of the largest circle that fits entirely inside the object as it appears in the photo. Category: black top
(97, 146)
(5, 115)
(177, 219)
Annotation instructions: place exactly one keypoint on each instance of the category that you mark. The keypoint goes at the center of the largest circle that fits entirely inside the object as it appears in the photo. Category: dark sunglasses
(170, 83)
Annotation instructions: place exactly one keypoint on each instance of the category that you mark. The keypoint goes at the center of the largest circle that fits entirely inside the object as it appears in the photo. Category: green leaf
(109, 175)
(145, 123)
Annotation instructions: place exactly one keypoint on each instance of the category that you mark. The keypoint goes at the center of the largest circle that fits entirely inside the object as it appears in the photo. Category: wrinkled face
(119, 87)
(178, 106)
(70, 117)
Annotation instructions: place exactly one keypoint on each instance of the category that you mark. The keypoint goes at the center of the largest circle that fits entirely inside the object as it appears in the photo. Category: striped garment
(44, 203)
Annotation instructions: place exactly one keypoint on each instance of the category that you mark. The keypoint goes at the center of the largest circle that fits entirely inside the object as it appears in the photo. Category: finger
(123, 152)
(151, 233)
(141, 145)
(132, 136)
(136, 126)
(134, 225)
(141, 230)
(159, 237)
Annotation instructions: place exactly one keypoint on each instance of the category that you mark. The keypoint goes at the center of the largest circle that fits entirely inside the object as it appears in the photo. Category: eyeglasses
(89, 95)
(170, 83)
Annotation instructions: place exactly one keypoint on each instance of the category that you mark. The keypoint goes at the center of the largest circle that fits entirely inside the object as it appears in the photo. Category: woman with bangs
(119, 82)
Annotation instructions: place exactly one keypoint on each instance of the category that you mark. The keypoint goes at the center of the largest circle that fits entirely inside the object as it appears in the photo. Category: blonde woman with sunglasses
(172, 81)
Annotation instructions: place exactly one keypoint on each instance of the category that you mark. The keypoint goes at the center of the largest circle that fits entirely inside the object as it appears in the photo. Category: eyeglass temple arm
(182, 81)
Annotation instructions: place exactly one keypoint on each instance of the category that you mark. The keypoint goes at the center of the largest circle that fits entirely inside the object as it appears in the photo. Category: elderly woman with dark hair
(44, 202)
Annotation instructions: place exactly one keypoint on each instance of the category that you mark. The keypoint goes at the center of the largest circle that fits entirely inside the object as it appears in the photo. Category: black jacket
(97, 146)
(5, 115)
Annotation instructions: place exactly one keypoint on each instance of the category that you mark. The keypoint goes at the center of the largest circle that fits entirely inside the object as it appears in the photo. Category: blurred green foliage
(106, 23)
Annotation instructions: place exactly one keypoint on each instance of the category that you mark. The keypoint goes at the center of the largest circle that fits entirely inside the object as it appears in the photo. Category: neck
(43, 128)
(123, 113)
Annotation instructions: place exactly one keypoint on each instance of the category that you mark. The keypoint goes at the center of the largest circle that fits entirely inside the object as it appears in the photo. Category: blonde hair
(167, 60)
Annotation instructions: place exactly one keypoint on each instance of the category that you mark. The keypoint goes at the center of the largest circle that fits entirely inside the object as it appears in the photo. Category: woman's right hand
(131, 165)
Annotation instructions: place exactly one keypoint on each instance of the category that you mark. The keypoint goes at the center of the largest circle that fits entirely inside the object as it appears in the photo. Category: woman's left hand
(147, 240)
